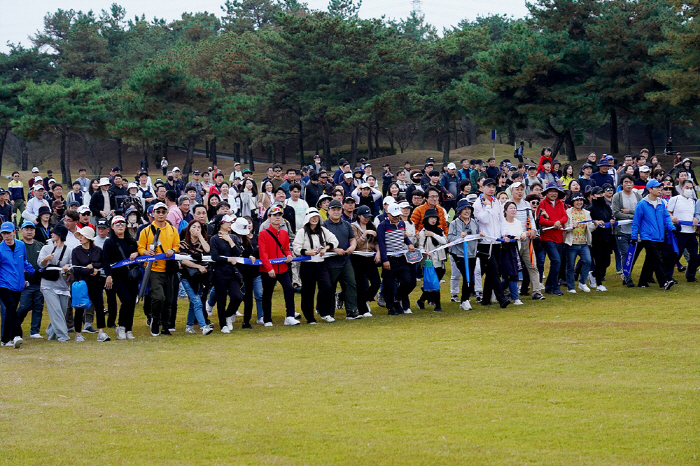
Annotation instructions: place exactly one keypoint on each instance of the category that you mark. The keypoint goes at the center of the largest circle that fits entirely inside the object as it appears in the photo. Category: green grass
(602, 378)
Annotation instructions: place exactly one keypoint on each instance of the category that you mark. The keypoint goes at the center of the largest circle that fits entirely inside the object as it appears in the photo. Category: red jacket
(269, 249)
(555, 212)
(543, 158)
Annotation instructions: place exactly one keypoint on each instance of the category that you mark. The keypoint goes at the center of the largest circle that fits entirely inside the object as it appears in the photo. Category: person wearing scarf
(429, 238)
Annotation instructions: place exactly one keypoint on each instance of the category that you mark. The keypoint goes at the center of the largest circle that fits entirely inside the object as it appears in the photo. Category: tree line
(274, 74)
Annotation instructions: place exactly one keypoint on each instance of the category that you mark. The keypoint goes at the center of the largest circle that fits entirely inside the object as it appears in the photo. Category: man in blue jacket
(13, 265)
(651, 223)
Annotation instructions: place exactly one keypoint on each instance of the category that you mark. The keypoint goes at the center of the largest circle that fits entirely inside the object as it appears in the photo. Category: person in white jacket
(314, 240)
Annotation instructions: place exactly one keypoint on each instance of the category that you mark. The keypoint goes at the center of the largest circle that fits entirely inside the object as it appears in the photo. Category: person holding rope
(86, 261)
(227, 278)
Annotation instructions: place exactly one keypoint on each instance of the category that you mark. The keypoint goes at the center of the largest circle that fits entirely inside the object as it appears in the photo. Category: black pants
(161, 299)
(227, 286)
(250, 273)
(689, 242)
(268, 283)
(433, 296)
(173, 306)
(654, 263)
(111, 307)
(95, 289)
(10, 299)
(367, 280)
(601, 250)
(126, 291)
(467, 286)
(399, 270)
(312, 274)
(490, 261)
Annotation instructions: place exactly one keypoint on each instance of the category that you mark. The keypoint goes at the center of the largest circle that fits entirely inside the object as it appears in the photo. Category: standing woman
(243, 227)
(511, 268)
(315, 240)
(194, 273)
(248, 196)
(602, 238)
(430, 237)
(462, 226)
(56, 292)
(577, 240)
(43, 227)
(365, 266)
(118, 246)
(87, 260)
(227, 280)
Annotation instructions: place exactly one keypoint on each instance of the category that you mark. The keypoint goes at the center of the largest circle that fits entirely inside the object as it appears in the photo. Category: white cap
(104, 181)
(389, 200)
(83, 208)
(394, 210)
(35, 170)
(159, 205)
(87, 232)
(644, 168)
(404, 204)
(516, 185)
(52, 179)
(347, 175)
(365, 185)
(230, 219)
(241, 227)
(176, 169)
(133, 185)
(451, 166)
(38, 187)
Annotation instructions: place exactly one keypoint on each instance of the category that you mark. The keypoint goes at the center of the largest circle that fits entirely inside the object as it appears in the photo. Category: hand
(674, 220)
(411, 247)
(169, 253)
(463, 235)
(48, 258)
(557, 225)
(102, 213)
(94, 272)
(89, 267)
(311, 252)
(482, 234)
(149, 252)
(322, 252)
(252, 259)
(108, 283)
(340, 252)
(429, 234)
(271, 274)
(386, 265)
(232, 260)
(66, 268)
(377, 258)
(600, 223)
(695, 221)
(134, 255)
(371, 233)
(289, 259)
(625, 211)
(202, 269)
(506, 239)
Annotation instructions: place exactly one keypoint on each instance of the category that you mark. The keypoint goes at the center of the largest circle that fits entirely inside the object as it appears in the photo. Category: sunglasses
(119, 223)
(534, 203)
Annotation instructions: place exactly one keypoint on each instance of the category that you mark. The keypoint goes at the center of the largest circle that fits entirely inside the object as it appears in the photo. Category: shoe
(369, 309)
(505, 304)
(454, 298)
(297, 289)
(394, 312)
(380, 300)
(571, 290)
(669, 284)
(245, 325)
(591, 280)
(420, 304)
(353, 316)
(210, 308)
(206, 330)
(297, 316)
(430, 303)
(619, 272)
(466, 305)
(558, 293)
(172, 330)
(601, 288)
(36, 336)
(583, 287)
(313, 323)
(130, 336)
(268, 324)
(103, 337)
(149, 321)
(70, 330)
(165, 331)
(238, 314)
(17, 342)
(408, 311)
(479, 297)
(88, 328)
(437, 309)
(328, 319)
(691, 279)
(121, 333)
(189, 329)
(155, 334)
(225, 329)
(261, 321)
(682, 268)
(338, 302)
(79, 337)
(230, 321)
(367, 314)
(538, 296)
(291, 321)
(517, 302)
(630, 283)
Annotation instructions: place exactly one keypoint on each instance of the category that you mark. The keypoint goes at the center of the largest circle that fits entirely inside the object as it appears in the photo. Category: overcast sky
(22, 18)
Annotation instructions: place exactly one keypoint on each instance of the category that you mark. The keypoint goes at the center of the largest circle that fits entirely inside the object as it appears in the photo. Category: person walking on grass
(393, 244)
(365, 266)
(577, 242)
(429, 238)
(32, 299)
(552, 215)
(56, 290)
(13, 266)
(227, 278)
(462, 226)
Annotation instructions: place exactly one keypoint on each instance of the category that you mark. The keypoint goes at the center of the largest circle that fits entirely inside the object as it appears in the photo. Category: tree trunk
(465, 130)
(212, 152)
(626, 134)
(511, 135)
(326, 141)
(237, 152)
(251, 162)
(65, 158)
(649, 131)
(370, 149)
(25, 153)
(301, 142)
(559, 138)
(614, 145)
(353, 146)
(376, 139)
(187, 169)
(472, 132)
(206, 149)
(119, 154)
(283, 153)
(391, 142)
(446, 145)
(421, 135)
(593, 139)
(3, 138)
(164, 149)
(570, 148)
(455, 138)
(438, 140)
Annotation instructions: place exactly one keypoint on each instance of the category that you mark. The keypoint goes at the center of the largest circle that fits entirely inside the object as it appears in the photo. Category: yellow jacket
(168, 239)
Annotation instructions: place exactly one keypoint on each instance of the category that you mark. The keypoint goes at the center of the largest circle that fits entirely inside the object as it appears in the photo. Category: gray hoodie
(455, 232)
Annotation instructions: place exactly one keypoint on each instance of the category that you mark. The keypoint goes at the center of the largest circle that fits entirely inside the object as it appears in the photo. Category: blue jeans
(32, 300)
(554, 252)
(196, 305)
(257, 293)
(623, 245)
(513, 287)
(584, 253)
(539, 260)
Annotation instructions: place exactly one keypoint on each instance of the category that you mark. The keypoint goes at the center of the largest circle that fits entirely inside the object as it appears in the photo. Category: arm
(264, 256)
(544, 221)
(381, 240)
(297, 245)
(217, 251)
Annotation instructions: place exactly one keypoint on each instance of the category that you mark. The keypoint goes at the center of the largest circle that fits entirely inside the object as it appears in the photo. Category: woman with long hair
(56, 292)
(43, 225)
(243, 228)
(212, 202)
(573, 190)
(315, 240)
(511, 268)
(227, 279)
(364, 264)
(248, 195)
(567, 175)
(257, 281)
(464, 225)
(118, 246)
(429, 238)
(502, 185)
(265, 199)
(194, 273)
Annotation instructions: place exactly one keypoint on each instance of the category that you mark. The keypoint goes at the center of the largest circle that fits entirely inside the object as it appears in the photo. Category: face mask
(170, 178)
(688, 192)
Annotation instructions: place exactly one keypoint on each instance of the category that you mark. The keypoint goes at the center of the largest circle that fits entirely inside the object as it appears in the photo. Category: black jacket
(97, 203)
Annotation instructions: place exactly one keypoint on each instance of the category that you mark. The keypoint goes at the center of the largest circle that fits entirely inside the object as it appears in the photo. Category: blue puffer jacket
(13, 265)
(651, 223)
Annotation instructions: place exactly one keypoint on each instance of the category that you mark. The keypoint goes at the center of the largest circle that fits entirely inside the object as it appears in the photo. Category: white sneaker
(591, 279)
(210, 308)
(189, 329)
(130, 336)
(121, 333)
(297, 315)
(454, 298)
(36, 336)
(291, 321)
(268, 324)
(367, 314)
(328, 319)
(583, 287)
(225, 329)
(103, 337)
(230, 321)
(571, 290)
(261, 321)
(17, 342)
(517, 302)
(601, 288)
(238, 314)
(408, 311)
(466, 305)
(171, 330)
(206, 330)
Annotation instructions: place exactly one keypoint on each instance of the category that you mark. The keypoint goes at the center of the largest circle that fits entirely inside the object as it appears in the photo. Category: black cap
(195, 172)
(116, 169)
(363, 160)
(349, 199)
(61, 231)
(2, 191)
(434, 173)
(586, 165)
(363, 211)
(103, 222)
(43, 210)
(430, 213)
(488, 181)
(430, 160)
(335, 203)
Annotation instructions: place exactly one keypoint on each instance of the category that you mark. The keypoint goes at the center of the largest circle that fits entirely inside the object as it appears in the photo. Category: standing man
(31, 299)
(83, 180)
(651, 224)
(682, 208)
(102, 204)
(120, 191)
(552, 213)
(164, 165)
(527, 254)
(161, 277)
(178, 184)
(520, 151)
(623, 206)
(339, 267)
(450, 181)
(13, 265)
(16, 189)
(387, 177)
(197, 184)
(38, 200)
(393, 244)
